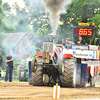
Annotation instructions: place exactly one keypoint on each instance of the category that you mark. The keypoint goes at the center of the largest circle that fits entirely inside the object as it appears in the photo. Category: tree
(39, 17)
(96, 19)
(79, 11)
(39, 22)
(4, 12)
(2, 53)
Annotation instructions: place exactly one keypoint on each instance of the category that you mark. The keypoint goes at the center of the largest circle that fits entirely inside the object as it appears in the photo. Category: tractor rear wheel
(37, 76)
(69, 74)
(22, 70)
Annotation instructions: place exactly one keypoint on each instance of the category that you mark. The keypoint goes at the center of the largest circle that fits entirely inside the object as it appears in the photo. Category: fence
(15, 75)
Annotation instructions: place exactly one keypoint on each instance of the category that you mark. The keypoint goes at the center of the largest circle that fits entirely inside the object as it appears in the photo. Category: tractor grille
(48, 47)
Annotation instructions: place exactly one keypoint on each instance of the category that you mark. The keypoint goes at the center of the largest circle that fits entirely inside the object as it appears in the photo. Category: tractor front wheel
(61, 66)
(45, 79)
(22, 70)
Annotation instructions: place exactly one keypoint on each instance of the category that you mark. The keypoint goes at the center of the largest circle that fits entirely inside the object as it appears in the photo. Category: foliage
(96, 19)
(2, 53)
(16, 64)
(79, 11)
(38, 17)
(39, 22)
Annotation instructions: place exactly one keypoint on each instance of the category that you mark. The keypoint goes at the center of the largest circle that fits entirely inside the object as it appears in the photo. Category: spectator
(9, 68)
(1, 62)
(81, 41)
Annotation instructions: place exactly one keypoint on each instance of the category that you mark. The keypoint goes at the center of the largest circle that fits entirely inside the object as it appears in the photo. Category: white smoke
(56, 7)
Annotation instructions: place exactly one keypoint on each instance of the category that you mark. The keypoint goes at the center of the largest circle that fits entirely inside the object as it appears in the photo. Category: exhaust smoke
(55, 7)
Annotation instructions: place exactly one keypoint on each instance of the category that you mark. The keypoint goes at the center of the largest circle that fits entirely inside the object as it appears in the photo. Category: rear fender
(40, 54)
(56, 52)
(67, 56)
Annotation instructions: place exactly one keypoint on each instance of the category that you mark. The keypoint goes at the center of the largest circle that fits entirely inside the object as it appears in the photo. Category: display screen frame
(78, 27)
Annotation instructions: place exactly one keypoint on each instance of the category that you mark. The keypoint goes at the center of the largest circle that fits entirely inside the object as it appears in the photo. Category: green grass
(14, 81)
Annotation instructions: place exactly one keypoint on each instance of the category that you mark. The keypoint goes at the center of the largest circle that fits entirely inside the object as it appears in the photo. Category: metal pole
(73, 35)
(90, 40)
(54, 39)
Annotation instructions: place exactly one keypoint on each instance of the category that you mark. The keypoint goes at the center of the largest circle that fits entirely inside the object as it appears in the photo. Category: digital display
(84, 31)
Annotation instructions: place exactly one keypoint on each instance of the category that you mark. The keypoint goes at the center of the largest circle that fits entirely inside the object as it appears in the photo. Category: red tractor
(71, 67)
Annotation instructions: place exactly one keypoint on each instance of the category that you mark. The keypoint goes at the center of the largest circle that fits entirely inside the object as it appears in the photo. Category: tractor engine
(50, 63)
(48, 49)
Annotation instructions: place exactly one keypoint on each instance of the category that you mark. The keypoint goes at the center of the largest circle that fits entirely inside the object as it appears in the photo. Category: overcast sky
(11, 2)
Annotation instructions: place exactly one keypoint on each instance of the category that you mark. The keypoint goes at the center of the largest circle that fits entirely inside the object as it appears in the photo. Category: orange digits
(85, 32)
(81, 31)
(89, 31)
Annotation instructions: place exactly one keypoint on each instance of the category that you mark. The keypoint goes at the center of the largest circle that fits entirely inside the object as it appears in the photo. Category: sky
(11, 2)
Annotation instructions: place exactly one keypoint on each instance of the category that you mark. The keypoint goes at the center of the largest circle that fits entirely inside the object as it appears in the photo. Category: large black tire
(37, 77)
(32, 80)
(61, 66)
(22, 70)
(33, 63)
(45, 79)
(69, 75)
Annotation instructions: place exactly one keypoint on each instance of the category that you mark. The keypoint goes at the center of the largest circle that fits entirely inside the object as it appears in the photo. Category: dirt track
(22, 91)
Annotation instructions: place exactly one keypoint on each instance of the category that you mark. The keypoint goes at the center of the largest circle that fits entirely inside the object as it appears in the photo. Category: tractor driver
(81, 41)
(68, 43)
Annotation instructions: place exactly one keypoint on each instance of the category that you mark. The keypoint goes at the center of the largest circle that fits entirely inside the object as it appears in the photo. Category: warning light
(93, 24)
(95, 27)
(83, 24)
(71, 26)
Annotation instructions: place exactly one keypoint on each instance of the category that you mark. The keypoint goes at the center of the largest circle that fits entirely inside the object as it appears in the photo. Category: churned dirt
(23, 91)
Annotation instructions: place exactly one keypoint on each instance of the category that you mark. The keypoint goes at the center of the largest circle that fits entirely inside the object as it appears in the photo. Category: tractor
(24, 68)
(71, 67)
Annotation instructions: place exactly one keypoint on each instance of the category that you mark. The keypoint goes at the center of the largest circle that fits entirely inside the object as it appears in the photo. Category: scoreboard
(83, 31)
